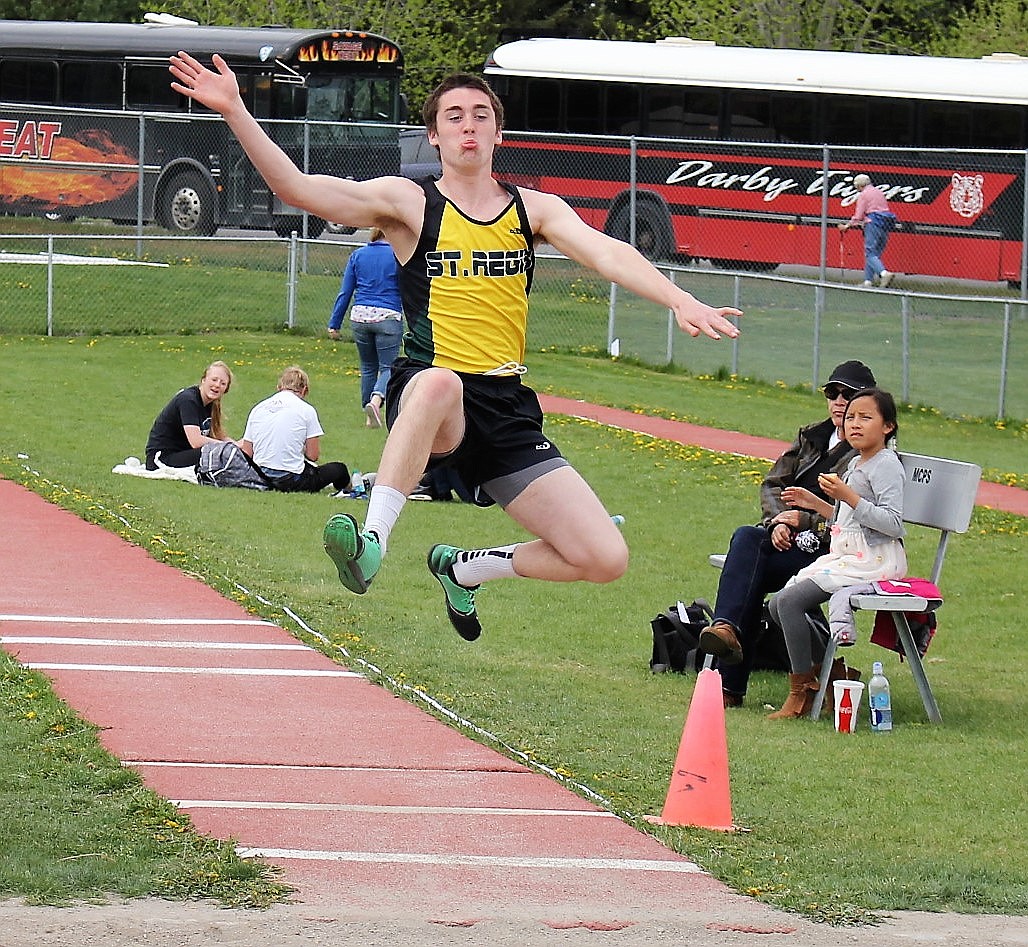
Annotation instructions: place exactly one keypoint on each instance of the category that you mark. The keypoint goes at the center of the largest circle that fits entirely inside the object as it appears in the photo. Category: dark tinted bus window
(793, 117)
(946, 125)
(584, 107)
(891, 122)
(998, 126)
(664, 112)
(749, 116)
(28, 80)
(149, 88)
(91, 83)
(542, 108)
(845, 120)
(623, 106)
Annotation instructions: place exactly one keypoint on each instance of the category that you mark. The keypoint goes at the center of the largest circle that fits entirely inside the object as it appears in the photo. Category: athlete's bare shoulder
(546, 211)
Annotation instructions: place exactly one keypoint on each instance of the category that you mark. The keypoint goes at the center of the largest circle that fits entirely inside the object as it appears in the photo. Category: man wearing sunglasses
(761, 559)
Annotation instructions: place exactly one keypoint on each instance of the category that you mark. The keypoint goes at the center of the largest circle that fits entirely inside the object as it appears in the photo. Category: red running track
(366, 801)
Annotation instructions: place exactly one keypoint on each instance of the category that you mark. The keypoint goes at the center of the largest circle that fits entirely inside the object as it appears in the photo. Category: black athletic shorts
(504, 448)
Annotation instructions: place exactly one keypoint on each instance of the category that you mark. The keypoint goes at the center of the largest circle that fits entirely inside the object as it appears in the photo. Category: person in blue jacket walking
(371, 281)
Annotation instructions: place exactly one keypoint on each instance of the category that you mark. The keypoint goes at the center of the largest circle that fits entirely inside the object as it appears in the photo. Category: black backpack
(676, 637)
(224, 464)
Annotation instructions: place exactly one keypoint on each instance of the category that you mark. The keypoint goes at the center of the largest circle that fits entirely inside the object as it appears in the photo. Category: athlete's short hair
(459, 80)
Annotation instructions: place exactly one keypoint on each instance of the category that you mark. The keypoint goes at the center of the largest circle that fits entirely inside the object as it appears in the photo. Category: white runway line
(482, 861)
(149, 643)
(517, 770)
(94, 620)
(148, 669)
(388, 810)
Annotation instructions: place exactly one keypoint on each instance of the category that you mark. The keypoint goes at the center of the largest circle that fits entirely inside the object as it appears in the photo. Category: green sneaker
(357, 554)
(460, 599)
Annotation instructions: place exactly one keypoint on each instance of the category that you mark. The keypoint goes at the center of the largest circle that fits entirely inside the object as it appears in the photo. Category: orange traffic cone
(699, 792)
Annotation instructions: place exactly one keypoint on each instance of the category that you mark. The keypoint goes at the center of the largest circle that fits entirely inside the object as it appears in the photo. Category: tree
(989, 26)
(99, 11)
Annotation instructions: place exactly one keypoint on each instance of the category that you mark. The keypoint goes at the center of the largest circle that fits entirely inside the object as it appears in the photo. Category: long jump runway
(367, 802)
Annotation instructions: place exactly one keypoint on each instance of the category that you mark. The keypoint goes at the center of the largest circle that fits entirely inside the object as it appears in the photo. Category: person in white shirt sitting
(283, 436)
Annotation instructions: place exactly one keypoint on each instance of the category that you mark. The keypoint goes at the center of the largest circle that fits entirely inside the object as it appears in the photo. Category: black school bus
(90, 126)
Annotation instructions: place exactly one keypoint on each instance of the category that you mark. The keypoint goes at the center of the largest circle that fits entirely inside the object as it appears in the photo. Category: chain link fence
(935, 337)
(962, 354)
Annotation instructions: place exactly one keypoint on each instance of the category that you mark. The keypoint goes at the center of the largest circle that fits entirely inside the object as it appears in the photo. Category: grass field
(927, 817)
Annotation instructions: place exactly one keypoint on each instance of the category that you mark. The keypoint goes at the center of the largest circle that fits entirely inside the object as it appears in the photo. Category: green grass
(927, 817)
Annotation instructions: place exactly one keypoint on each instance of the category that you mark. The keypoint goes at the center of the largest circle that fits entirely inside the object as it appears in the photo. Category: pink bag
(922, 624)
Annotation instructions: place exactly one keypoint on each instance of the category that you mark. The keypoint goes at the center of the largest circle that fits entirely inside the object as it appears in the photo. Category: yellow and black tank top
(465, 288)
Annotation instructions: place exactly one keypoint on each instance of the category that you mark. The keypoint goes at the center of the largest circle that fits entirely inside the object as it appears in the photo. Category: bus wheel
(188, 206)
(652, 230)
(284, 226)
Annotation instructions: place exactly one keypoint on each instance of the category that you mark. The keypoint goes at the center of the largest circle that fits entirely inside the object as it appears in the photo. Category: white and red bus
(725, 147)
(86, 107)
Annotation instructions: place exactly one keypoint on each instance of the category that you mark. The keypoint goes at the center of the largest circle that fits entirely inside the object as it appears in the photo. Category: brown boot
(719, 639)
(840, 672)
(802, 690)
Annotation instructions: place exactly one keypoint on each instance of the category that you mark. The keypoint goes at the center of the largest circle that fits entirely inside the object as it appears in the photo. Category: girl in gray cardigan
(866, 542)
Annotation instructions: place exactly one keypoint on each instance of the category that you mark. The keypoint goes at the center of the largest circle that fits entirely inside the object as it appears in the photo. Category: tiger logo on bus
(967, 197)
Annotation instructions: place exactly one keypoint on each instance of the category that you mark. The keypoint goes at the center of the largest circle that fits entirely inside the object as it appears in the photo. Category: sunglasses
(838, 391)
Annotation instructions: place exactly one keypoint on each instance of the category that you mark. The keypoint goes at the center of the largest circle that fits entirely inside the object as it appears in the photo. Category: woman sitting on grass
(192, 418)
(866, 544)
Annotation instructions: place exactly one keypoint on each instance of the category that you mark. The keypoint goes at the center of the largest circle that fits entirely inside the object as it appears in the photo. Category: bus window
(542, 106)
(793, 116)
(749, 116)
(997, 126)
(946, 125)
(91, 83)
(28, 80)
(584, 107)
(845, 120)
(892, 122)
(147, 88)
(262, 96)
(623, 109)
(663, 113)
(512, 92)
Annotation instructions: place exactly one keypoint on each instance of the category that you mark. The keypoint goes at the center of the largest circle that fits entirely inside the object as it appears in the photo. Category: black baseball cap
(854, 374)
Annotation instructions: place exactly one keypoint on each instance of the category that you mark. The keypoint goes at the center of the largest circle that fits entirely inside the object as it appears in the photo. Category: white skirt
(851, 560)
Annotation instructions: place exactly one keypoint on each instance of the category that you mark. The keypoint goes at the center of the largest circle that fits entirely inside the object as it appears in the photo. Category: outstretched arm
(554, 220)
(356, 204)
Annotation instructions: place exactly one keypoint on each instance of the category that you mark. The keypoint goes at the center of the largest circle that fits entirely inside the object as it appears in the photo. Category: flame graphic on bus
(49, 188)
(355, 49)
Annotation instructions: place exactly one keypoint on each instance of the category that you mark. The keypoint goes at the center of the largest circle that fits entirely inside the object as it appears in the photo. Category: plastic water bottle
(879, 699)
(357, 484)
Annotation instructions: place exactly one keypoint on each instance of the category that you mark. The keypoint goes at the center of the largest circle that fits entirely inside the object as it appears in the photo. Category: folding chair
(940, 494)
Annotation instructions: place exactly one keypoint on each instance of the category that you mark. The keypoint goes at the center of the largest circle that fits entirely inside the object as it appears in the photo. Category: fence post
(671, 324)
(1003, 355)
(1024, 229)
(632, 186)
(50, 285)
(140, 187)
(905, 319)
(819, 308)
(612, 306)
(737, 304)
(291, 281)
(823, 252)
